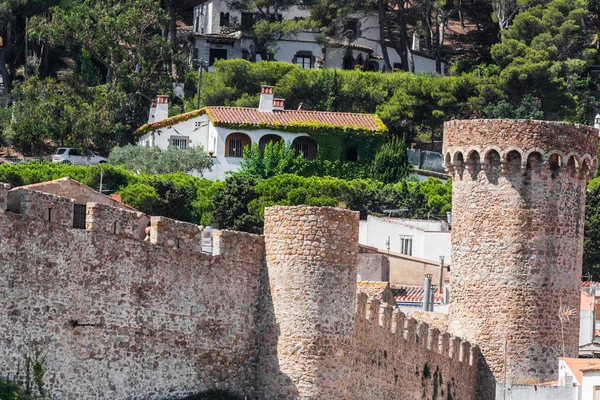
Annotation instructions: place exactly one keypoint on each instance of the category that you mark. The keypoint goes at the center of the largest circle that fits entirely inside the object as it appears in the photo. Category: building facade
(222, 33)
(224, 132)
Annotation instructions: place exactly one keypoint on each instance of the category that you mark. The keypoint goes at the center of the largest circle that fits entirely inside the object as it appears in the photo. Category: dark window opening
(79, 216)
(304, 61)
(352, 154)
(224, 20)
(247, 21)
(351, 28)
(216, 54)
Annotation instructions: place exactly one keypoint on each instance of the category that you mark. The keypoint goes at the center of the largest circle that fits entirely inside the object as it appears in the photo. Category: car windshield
(60, 151)
(90, 153)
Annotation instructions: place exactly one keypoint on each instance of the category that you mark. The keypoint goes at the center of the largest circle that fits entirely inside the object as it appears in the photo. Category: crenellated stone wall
(121, 318)
(265, 317)
(518, 199)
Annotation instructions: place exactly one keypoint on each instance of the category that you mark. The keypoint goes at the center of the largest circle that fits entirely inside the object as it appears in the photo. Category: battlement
(509, 147)
(96, 217)
(411, 332)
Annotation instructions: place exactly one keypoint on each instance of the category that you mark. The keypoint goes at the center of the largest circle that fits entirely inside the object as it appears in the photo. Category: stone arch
(586, 167)
(534, 150)
(554, 162)
(509, 150)
(493, 164)
(447, 160)
(513, 159)
(488, 150)
(535, 161)
(572, 165)
(575, 155)
(235, 144)
(306, 146)
(268, 138)
(458, 157)
(474, 163)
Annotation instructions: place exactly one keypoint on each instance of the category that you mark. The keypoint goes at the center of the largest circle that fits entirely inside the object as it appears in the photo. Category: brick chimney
(266, 99)
(162, 108)
(278, 104)
(152, 112)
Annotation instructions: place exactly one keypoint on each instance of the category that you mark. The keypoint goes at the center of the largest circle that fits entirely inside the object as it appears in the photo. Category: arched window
(224, 20)
(305, 146)
(262, 143)
(235, 143)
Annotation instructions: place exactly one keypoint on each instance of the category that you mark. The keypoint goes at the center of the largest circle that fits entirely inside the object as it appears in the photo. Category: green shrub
(153, 160)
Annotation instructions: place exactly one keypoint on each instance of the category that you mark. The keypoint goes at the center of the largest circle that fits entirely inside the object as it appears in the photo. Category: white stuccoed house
(221, 33)
(224, 132)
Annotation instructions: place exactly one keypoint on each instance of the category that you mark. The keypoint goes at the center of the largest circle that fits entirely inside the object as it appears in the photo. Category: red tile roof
(412, 294)
(247, 115)
(223, 116)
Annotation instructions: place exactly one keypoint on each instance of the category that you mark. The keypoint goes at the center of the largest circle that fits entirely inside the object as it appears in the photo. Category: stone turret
(311, 257)
(518, 202)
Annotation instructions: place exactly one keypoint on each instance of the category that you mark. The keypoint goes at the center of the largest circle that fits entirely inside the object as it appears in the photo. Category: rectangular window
(79, 216)
(235, 148)
(351, 28)
(247, 21)
(216, 54)
(179, 142)
(301, 148)
(303, 61)
(406, 244)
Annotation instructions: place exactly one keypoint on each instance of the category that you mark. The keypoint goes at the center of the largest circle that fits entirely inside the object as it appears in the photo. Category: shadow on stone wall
(486, 382)
(272, 383)
(214, 395)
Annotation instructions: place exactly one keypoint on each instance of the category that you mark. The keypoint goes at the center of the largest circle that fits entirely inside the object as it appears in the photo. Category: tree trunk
(4, 72)
(404, 50)
(173, 35)
(440, 45)
(382, 25)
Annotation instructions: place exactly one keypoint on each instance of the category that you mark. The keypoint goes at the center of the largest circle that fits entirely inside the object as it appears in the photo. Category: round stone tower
(518, 200)
(311, 256)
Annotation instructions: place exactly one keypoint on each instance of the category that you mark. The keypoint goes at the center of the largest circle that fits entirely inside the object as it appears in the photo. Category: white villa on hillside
(219, 33)
(224, 131)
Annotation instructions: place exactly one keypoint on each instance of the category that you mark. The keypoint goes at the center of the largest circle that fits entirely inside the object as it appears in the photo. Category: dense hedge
(238, 202)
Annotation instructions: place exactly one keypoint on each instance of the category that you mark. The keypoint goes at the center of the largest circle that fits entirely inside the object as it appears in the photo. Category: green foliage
(529, 108)
(591, 237)
(391, 163)
(153, 160)
(276, 159)
(140, 196)
(231, 205)
(12, 391)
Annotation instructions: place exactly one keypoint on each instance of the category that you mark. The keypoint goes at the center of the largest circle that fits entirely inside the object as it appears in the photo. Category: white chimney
(278, 104)
(597, 122)
(162, 108)
(152, 114)
(416, 41)
(266, 99)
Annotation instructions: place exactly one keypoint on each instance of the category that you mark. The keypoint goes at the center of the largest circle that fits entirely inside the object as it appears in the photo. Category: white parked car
(70, 155)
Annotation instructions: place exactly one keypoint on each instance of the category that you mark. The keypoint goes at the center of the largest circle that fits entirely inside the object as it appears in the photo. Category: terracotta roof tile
(246, 115)
(412, 294)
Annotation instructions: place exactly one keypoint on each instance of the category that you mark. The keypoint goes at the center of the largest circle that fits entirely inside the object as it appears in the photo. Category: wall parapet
(414, 332)
(118, 221)
(44, 206)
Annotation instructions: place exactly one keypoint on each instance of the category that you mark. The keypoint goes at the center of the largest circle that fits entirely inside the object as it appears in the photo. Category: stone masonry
(277, 317)
(518, 201)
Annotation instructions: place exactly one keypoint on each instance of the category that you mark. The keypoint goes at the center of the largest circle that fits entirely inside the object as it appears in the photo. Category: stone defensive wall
(119, 317)
(333, 344)
(398, 358)
(518, 219)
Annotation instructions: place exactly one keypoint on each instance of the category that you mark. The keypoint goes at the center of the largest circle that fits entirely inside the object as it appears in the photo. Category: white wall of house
(430, 239)
(207, 21)
(199, 131)
(536, 392)
(591, 380)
